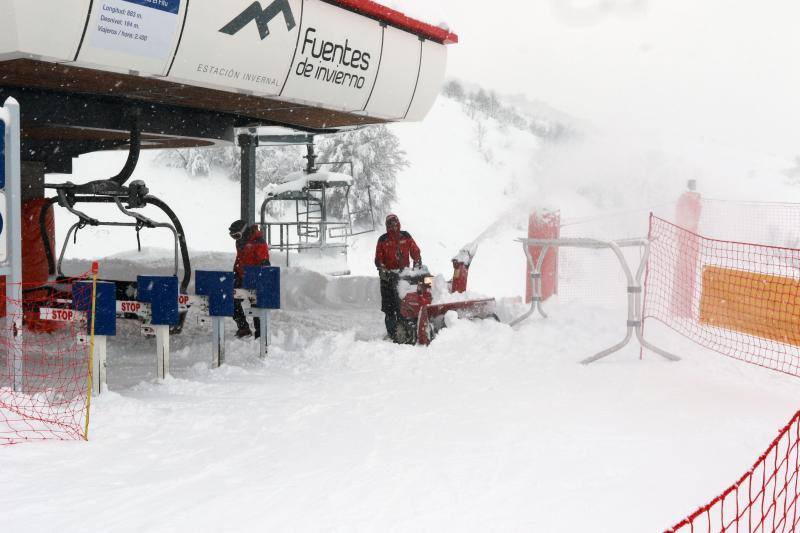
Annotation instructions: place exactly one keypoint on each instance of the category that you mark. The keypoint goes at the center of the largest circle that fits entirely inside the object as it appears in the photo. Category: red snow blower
(420, 318)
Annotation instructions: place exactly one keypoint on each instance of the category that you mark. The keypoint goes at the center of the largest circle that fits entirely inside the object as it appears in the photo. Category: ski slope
(488, 429)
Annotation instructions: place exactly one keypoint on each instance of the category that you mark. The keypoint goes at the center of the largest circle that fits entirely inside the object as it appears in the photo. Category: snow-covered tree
(454, 89)
(374, 151)
(377, 159)
(481, 105)
(195, 161)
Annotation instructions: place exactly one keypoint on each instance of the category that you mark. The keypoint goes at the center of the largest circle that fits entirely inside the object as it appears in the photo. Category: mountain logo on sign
(262, 17)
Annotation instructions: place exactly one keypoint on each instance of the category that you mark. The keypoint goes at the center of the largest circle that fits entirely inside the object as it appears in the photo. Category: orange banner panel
(761, 305)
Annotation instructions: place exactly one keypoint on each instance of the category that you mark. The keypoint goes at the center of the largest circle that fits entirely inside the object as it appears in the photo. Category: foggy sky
(725, 71)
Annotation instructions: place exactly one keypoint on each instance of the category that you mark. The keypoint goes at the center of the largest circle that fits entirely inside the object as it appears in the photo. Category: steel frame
(634, 324)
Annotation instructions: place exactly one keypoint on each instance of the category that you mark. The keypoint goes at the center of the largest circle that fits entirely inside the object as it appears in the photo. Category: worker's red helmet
(392, 220)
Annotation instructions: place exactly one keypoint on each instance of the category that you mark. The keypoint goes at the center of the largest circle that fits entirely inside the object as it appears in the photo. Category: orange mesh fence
(45, 397)
(741, 300)
(765, 499)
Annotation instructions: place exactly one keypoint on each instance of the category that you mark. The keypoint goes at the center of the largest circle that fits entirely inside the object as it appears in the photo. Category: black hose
(48, 246)
(187, 265)
(133, 155)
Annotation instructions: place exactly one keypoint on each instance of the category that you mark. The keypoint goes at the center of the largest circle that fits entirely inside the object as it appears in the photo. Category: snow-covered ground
(488, 429)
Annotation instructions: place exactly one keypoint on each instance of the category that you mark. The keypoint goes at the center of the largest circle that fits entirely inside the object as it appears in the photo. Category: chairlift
(311, 190)
(127, 199)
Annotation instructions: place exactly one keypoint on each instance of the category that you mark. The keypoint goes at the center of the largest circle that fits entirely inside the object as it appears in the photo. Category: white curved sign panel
(337, 58)
(306, 51)
(50, 29)
(398, 75)
(239, 44)
(431, 77)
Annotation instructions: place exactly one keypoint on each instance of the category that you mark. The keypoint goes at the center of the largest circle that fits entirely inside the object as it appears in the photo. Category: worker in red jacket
(394, 252)
(251, 250)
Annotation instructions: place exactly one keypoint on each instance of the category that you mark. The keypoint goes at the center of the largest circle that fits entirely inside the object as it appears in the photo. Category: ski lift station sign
(141, 29)
(313, 52)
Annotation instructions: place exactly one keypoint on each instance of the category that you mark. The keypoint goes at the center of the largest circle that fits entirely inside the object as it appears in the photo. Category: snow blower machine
(424, 302)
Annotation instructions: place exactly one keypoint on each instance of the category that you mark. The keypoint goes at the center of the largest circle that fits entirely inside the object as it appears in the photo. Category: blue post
(162, 295)
(218, 287)
(161, 292)
(105, 323)
(266, 282)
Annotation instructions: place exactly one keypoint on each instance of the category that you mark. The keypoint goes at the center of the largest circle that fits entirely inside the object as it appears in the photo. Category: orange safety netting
(765, 499)
(739, 299)
(44, 378)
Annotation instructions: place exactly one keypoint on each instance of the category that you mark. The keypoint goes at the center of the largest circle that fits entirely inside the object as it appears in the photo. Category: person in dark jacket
(251, 250)
(394, 252)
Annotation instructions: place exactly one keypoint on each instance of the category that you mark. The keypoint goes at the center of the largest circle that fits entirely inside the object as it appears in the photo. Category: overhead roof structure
(192, 70)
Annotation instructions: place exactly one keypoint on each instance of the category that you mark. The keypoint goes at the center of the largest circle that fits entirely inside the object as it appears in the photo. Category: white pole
(99, 370)
(217, 341)
(162, 352)
(263, 315)
(14, 236)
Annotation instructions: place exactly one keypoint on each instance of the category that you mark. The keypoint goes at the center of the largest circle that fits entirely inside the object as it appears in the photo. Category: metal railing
(634, 324)
(294, 241)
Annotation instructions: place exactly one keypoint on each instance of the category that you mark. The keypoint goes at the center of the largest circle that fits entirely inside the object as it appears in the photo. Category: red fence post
(687, 216)
(546, 225)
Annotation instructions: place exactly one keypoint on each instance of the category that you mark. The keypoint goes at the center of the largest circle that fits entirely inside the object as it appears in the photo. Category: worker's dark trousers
(390, 304)
(241, 319)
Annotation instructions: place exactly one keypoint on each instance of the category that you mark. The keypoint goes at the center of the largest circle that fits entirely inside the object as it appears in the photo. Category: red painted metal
(482, 308)
(460, 277)
(395, 18)
(412, 302)
(546, 225)
(687, 216)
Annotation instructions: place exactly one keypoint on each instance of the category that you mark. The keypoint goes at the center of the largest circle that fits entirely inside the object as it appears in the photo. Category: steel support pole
(14, 240)
(248, 145)
(162, 351)
(634, 320)
(263, 315)
(633, 290)
(536, 279)
(217, 341)
(99, 362)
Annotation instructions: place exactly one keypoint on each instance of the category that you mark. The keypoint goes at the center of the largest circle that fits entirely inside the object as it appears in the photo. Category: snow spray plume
(510, 219)
(608, 172)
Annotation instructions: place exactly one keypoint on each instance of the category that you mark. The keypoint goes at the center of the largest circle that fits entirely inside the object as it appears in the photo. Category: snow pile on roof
(298, 181)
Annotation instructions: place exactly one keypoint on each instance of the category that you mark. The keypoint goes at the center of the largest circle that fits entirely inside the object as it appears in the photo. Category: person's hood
(390, 218)
(237, 226)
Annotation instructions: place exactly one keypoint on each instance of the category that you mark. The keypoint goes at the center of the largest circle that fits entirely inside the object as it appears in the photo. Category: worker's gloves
(417, 264)
(384, 274)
